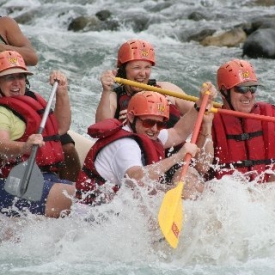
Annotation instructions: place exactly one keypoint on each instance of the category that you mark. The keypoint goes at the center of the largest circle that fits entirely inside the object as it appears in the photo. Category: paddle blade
(15, 183)
(171, 215)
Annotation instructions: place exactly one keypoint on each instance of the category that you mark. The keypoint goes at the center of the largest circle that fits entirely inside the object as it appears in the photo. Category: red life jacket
(50, 156)
(247, 144)
(108, 131)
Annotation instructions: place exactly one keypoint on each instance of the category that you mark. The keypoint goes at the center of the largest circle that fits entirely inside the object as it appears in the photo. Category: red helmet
(12, 62)
(135, 49)
(236, 72)
(149, 103)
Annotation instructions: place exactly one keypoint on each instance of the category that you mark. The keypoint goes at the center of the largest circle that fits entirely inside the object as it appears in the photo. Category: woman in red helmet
(243, 144)
(135, 60)
(136, 150)
(12, 39)
(20, 116)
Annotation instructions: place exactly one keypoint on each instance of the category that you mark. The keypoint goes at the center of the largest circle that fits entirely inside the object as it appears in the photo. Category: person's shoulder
(126, 142)
(6, 111)
(265, 106)
(121, 147)
(181, 104)
(163, 136)
(7, 20)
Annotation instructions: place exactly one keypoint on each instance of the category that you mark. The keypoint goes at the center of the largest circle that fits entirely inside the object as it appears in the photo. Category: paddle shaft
(31, 160)
(160, 90)
(193, 98)
(196, 131)
(243, 115)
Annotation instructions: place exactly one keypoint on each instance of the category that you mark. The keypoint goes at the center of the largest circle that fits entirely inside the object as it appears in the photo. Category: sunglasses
(149, 123)
(244, 90)
(12, 77)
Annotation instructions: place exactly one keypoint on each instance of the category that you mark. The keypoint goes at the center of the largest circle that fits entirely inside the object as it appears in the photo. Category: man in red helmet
(243, 144)
(136, 151)
(20, 118)
(135, 60)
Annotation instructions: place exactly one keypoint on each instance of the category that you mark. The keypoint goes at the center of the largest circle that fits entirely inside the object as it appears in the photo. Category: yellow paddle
(160, 90)
(193, 98)
(171, 211)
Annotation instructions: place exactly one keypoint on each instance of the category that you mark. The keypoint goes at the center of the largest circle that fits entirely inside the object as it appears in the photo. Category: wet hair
(122, 71)
(28, 85)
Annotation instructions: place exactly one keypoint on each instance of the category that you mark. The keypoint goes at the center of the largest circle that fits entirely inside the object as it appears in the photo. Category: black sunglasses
(149, 123)
(245, 89)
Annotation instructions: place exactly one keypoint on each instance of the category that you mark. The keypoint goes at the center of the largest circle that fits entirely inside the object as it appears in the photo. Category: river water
(230, 230)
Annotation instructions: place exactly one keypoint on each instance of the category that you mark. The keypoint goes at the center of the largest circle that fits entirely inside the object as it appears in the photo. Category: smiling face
(242, 102)
(147, 125)
(138, 71)
(13, 84)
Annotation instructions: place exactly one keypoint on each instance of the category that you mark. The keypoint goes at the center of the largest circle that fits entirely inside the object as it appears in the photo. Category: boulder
(230, 38)
(260, 43)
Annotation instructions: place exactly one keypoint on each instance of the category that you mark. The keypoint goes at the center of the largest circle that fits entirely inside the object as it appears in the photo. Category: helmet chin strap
(227, 97)
(133, 125)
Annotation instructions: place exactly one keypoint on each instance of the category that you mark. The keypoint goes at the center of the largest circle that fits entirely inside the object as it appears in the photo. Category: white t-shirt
(116, 158)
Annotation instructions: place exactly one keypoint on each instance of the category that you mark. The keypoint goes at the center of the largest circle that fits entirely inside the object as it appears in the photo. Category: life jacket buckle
(244, 136)
(247, 163)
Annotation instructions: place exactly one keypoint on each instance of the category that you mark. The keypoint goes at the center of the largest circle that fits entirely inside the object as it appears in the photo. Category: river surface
(230, 230)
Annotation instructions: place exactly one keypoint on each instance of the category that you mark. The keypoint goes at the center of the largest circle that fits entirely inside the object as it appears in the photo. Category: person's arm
(156, 170)
(12, 149)
(11, 129)
(62, 108)
(182, 105)
(206, 154)
(107, 106)
(108, 102)
(271, 178)
(184, 127)
(17, 41)
(125, 161)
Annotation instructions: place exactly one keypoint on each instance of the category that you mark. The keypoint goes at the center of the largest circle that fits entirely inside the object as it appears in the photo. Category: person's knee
(69, 148)
(72, 164)
(71, 154)
(59, 200)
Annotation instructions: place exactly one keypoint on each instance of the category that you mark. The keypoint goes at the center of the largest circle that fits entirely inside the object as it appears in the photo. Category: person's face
(138, 71)
(13, 84)
(243, 98)
(148, 125)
